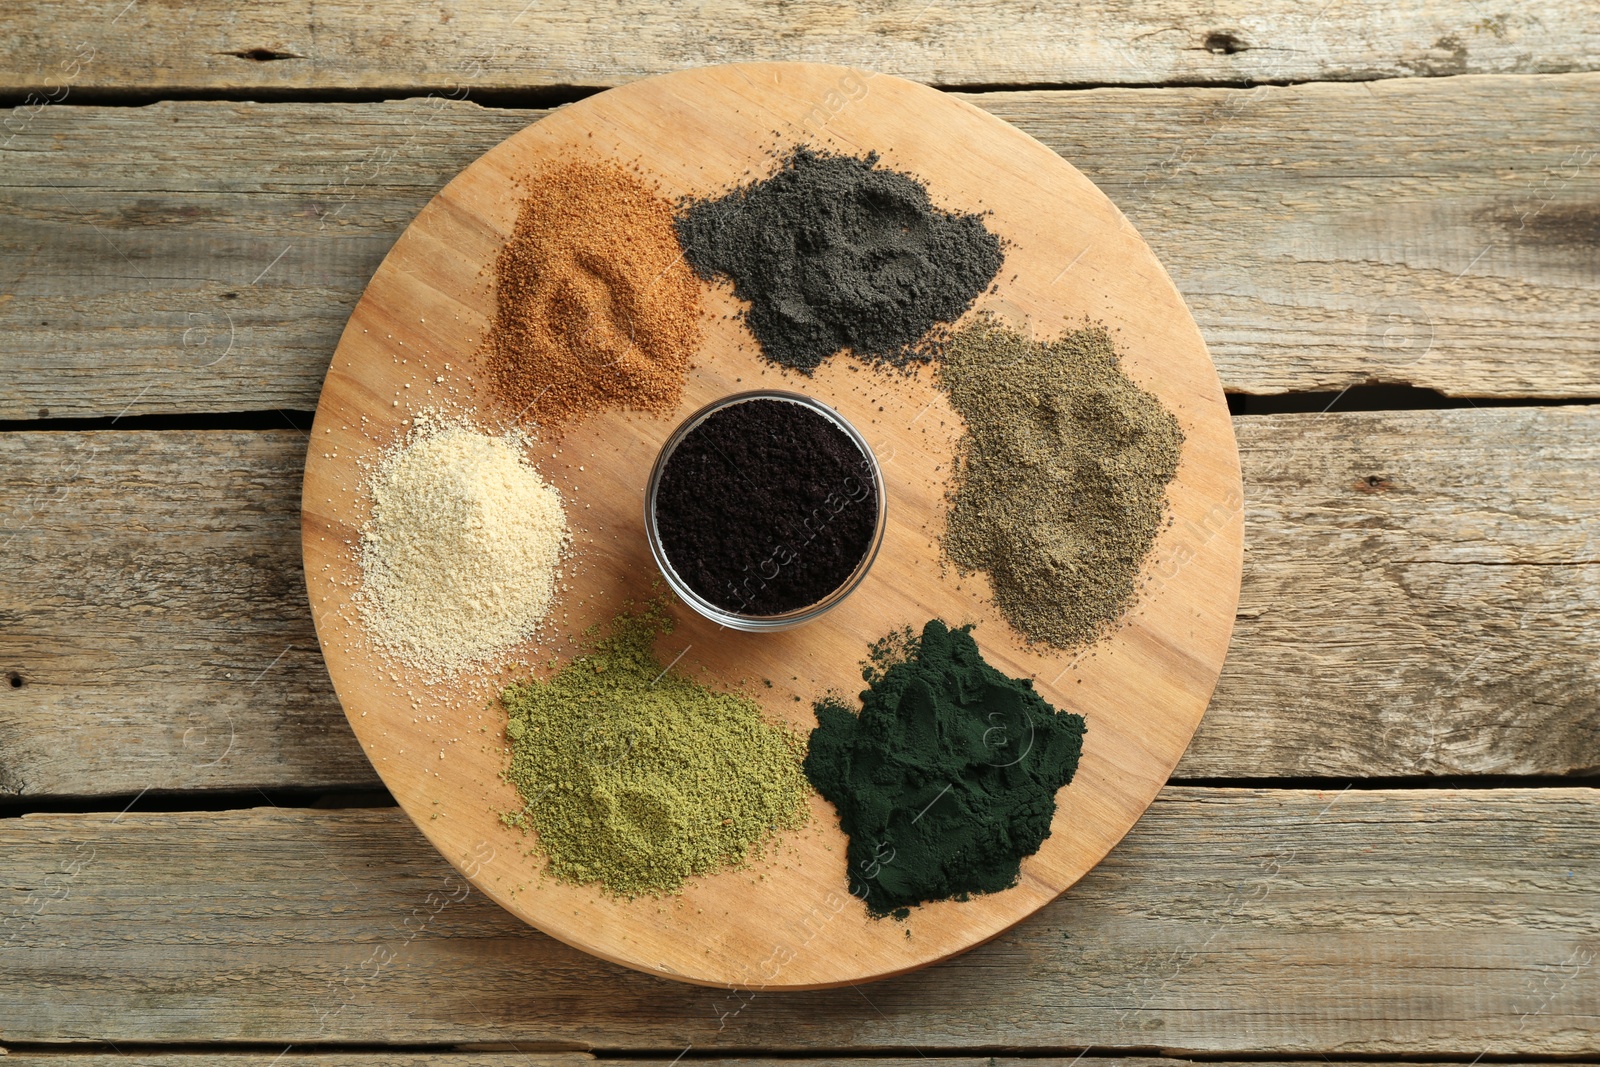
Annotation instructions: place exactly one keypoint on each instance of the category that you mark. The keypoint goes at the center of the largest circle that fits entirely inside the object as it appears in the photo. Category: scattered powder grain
(595, 307)
(1060, 483)
(460, 558)
(834, 252)
(639, 778)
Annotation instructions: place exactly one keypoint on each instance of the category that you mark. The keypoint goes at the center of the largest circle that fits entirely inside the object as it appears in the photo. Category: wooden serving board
(413, 342)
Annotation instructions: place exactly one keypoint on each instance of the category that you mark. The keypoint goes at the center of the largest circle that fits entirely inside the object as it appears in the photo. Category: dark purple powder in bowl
(766, 507)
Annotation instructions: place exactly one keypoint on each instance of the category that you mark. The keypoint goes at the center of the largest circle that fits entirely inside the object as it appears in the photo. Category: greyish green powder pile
(1060, 483)
(639, 778)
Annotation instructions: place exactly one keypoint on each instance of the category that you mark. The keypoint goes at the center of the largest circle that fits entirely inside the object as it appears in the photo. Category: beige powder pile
(460, 558)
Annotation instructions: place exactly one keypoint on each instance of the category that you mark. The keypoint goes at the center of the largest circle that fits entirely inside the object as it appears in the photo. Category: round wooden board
(413, 343)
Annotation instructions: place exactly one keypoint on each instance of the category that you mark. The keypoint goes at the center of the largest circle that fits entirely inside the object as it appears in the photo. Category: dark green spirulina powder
(947, 778)
(834, 252)
(1060, 481)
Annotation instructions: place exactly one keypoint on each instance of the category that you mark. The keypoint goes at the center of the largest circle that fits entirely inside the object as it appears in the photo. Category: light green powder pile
(639, 778)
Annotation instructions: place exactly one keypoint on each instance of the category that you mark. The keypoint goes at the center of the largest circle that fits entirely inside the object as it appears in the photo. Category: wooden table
(1381, 844)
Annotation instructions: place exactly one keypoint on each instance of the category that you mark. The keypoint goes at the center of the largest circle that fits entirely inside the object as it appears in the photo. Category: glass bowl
(761, 623)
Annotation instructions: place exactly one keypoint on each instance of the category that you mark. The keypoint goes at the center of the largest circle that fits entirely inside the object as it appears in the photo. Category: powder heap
(948, 776)
(595, 308)
(639, 778)
(765, 507)
(459, 559)
(833, 252)
(1060, 484)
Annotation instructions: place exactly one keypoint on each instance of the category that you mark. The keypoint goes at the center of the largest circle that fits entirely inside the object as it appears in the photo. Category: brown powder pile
(596, 307)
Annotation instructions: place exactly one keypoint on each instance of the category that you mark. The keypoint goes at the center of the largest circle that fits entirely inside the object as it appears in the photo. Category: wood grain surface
(1416, 600)
(414, 345)
(1364, 922)
(203, 256)
(511, 45)
(1420, 596)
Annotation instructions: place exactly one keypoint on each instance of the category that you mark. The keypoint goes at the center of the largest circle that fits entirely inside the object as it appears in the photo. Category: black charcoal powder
(834, 252)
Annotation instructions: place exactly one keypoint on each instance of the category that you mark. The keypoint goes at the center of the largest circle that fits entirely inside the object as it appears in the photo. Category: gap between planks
(312, 1055)
(1356, 398)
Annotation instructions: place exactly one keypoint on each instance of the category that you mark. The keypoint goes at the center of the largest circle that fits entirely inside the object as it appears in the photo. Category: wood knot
(1373, 483)
(1224, 43)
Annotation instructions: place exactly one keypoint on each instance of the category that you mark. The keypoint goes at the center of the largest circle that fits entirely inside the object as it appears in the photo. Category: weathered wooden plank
(1412, 921)
(1324, 235)
(1419, 597)
(1334, 235)
(153, 618)
(156, 48)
